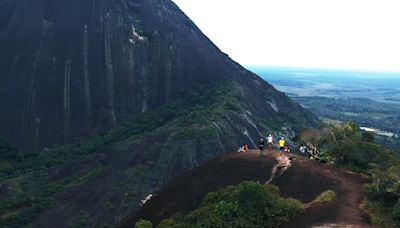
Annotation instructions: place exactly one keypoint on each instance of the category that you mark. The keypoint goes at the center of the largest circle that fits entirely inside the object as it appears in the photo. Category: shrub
(248, 204)
(380, 215)
(143, 224)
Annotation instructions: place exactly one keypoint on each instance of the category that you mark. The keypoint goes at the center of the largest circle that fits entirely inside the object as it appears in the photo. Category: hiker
(281, 144)
(310, 153)
(261, 146)
(302, 150)
(270, 141)
(245, 147)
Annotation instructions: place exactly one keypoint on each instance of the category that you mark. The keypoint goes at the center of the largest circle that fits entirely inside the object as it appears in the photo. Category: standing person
(261, 146)
(270, 141)
(281, 144)
(302, 150)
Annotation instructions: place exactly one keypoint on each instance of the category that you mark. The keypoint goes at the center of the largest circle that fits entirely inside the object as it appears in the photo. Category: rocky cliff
(69, 69)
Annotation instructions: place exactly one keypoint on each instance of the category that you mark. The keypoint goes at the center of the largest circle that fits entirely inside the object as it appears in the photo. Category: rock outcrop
(73, 68)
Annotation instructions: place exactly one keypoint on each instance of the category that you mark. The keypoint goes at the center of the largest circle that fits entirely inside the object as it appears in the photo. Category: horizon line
(322, 69)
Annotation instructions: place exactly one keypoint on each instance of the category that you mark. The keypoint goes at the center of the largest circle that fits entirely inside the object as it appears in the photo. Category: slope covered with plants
(345, 146)
(107, 175)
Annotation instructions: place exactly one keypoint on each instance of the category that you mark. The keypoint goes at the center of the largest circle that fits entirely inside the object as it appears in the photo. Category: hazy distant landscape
(371, 99)
(381, 87)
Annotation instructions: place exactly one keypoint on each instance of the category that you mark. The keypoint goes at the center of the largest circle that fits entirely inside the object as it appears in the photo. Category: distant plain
(377, 86)
(370, 99)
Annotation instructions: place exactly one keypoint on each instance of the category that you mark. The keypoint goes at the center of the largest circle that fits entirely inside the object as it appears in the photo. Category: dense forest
(384, 117)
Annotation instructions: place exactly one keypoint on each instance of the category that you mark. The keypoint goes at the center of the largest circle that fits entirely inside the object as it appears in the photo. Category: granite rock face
(73, 68)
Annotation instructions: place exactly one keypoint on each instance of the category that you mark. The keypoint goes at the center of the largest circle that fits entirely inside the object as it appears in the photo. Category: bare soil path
(299, 178)
(307, 178)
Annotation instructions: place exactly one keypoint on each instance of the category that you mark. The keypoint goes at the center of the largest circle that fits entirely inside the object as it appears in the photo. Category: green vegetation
(327, 196)
(85, 221)
(193, 116)
(176, 137)
(7, 152)
(381, 215)
(248, 204)
(384, 195)
(29, 176)
(143, 224)
(364, 112)
(349, 148)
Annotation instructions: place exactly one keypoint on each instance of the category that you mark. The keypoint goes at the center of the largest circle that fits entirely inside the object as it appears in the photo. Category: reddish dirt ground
(303, 180)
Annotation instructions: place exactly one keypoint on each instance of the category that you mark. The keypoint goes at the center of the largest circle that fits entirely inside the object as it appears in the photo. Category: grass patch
(325, 197)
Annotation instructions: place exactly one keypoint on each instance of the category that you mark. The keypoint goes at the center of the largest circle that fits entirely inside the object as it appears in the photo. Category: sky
(335, 34)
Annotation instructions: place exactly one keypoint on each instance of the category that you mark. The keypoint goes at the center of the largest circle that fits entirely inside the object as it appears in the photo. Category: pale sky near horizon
(337, 34)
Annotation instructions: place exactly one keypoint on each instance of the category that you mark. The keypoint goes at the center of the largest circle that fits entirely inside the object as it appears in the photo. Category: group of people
(310, 150)
(270, 143)
(305, 150)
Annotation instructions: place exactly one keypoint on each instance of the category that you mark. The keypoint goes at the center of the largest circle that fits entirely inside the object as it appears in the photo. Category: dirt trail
(300, 178)
(283, 164)
(344, 211)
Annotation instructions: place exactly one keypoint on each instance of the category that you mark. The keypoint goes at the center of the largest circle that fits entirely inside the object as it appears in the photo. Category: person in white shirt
(270, 142)
(302, 150)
